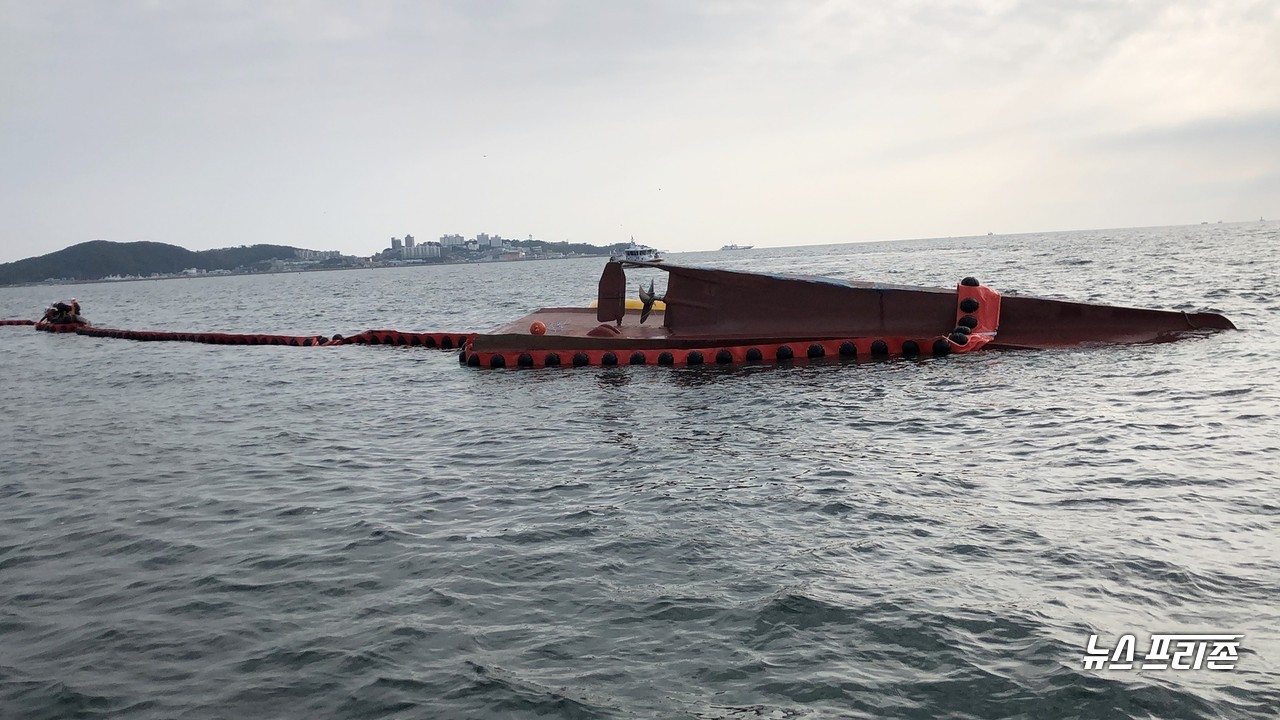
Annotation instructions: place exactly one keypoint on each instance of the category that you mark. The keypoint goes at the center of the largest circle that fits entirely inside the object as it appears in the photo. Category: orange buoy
(537, 328)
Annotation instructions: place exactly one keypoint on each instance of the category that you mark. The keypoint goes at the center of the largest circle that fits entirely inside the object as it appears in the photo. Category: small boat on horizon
(634, 252)
(733, 246)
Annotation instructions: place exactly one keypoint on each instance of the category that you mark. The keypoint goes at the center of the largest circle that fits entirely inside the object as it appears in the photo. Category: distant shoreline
(203, 276)
(605, 254)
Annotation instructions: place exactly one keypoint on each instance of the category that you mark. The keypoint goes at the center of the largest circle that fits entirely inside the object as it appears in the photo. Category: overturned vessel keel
(726, 316)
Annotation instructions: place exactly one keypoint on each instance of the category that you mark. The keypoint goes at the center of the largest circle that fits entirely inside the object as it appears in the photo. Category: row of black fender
(443, 341)
(206, 338)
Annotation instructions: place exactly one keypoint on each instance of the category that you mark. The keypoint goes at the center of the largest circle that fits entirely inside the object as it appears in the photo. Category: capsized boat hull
(712, 310)
(1040, 323)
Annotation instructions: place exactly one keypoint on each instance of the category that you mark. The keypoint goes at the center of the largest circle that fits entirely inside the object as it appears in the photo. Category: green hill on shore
(98, 259)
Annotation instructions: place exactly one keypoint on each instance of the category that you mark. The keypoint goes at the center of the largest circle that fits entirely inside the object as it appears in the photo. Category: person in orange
(75, 309)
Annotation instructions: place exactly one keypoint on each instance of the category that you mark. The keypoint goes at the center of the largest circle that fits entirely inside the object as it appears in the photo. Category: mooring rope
(443, 341)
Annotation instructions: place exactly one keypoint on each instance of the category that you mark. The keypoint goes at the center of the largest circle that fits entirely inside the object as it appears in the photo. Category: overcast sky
(336, 125)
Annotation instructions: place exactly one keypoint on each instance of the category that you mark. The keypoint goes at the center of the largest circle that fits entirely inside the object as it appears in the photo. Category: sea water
(202, 531)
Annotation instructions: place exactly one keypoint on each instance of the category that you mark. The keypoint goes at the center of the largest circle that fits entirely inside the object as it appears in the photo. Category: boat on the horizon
(635, 253)
(734, 246)
(721, 316)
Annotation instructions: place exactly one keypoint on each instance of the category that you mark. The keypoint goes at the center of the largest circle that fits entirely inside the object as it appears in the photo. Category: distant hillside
(566, 247)
(98, 259)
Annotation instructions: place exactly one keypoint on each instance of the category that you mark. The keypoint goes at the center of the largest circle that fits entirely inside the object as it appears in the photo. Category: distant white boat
(635, 252)
(732, 246)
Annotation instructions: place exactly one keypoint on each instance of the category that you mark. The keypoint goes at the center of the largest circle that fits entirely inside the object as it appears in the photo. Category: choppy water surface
(204, 531)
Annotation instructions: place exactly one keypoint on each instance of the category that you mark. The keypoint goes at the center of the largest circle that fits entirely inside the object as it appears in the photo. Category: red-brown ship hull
(727, 314)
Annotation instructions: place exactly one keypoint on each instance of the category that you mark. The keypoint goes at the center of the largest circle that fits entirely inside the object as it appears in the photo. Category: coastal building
(409, 249)
(421, 252)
